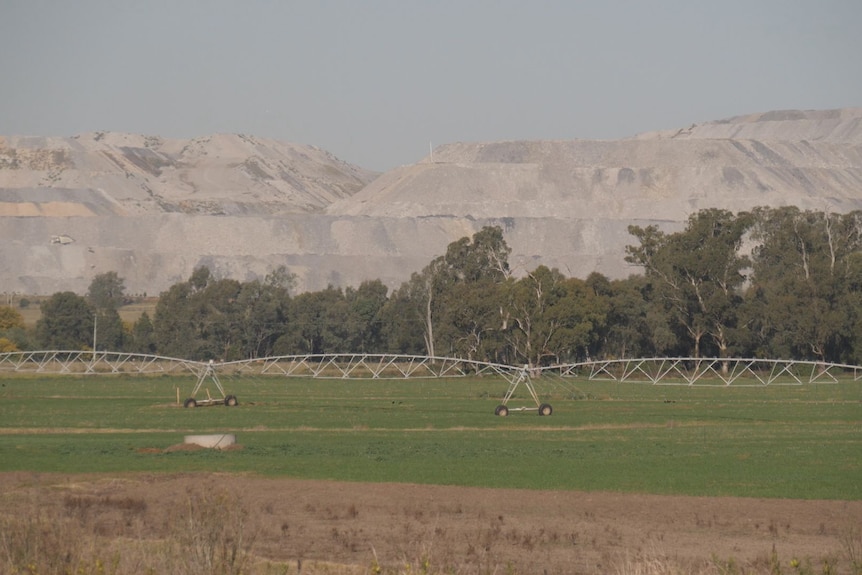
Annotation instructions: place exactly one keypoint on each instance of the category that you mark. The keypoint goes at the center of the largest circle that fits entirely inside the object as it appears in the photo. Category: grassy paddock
(777, 441)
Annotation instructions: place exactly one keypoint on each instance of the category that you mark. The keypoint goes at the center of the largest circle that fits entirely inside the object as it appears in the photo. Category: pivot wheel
(501, 410)
(231, 401)
(546, 409)
(190, 402)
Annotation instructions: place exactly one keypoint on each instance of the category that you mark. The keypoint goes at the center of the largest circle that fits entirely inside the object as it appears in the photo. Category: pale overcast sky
(374, 82)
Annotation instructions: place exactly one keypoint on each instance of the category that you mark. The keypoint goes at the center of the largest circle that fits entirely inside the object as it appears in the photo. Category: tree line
(772, 282)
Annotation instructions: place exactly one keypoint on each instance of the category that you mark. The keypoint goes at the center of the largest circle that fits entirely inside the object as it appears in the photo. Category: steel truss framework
(319, 366)
(369, 366)
(93, 363)
(656, 371)
(739, 372)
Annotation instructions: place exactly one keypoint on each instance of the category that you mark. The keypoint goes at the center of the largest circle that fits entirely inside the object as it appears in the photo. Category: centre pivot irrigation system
(210, 373)
(388, 366)
(524, 378)
(685, 371)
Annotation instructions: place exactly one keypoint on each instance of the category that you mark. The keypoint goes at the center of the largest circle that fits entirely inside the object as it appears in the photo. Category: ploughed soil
(335, 527)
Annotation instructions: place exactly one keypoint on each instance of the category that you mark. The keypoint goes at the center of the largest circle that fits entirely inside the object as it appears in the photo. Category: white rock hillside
(154, 209)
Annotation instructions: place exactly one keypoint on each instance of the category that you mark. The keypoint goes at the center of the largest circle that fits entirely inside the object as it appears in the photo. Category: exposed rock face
(568, 204)
(111, 174)
(153, 209)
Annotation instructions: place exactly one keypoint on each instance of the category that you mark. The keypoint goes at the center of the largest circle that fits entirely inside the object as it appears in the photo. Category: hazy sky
(374, 82)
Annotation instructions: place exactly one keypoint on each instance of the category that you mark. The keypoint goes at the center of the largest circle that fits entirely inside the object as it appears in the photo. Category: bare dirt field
(283, 525)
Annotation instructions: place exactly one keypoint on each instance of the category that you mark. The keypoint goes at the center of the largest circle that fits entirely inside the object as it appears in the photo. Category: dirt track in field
(465, 530)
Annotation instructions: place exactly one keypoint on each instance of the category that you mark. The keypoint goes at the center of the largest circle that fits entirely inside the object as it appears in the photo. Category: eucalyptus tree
(852, 302)
(317, 323)
(12, 329)
(470, 320)
(364, 321)
(582, 315)
(173, 330)
(423, 292)
(804, 301)
(8, 345)
(437, 294)
(529, 326)
(206, 317)
(403, 327)
(637, 325)
(106, 295)
(107, 291)
(216, 319)
(143, 335)
(483, 257)
(66, 323)
(260, 312)
(698, 275)
(261, 317)
(552, 318)
(197, 319)
(10, 318)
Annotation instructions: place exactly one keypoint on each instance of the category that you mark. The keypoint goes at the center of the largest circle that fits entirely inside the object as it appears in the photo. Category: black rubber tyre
(190, 402)
(231, 401)
(501, 410)
(546, 409)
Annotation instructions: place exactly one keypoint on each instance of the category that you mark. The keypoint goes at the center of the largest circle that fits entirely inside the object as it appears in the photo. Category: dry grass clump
(207, 537)
(207, 534)
(770, 564)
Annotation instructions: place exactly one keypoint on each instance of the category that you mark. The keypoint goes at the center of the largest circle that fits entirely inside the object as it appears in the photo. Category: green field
(778, 441)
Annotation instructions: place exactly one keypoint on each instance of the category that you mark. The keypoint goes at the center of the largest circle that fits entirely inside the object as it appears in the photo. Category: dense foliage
(781, 283)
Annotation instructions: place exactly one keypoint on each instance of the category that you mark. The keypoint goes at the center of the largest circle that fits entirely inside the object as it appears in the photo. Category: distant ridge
(842, 126)
(153, 209)
(126, 174)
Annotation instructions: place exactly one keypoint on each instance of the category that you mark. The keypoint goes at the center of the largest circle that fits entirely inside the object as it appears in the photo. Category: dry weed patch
(226, 524)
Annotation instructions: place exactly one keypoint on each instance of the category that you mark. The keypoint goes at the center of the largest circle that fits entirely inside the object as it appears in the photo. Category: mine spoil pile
(153, 209)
